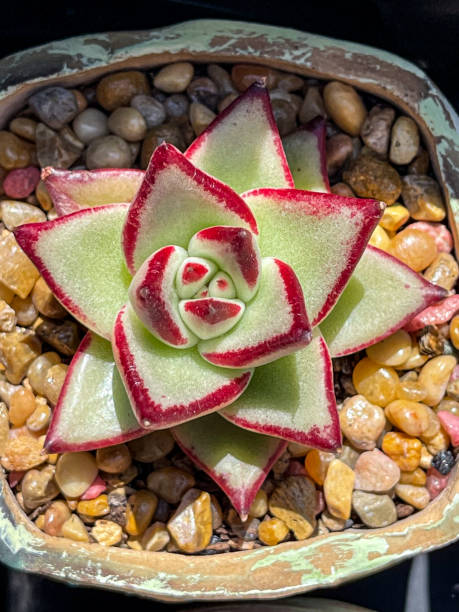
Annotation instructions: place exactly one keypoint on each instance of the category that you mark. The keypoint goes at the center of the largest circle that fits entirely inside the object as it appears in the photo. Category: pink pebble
(21, 182)
(440, 233)
(454, 374)
(439, 313)
(296, 468)
(97, 487)
(320, 504)
(435, 482)
(450, 422)
(15, 477)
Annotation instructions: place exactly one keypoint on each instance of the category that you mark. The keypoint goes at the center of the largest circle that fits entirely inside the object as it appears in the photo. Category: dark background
(423, 31)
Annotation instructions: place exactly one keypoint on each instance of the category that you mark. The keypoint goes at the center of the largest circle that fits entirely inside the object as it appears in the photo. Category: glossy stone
(140, 510)
(377, 383)
(443, 271)
(128, 123)
(170, 483)
(17, 351)
(405, 140)
(152, 447)
(345, 107)
(14, 152)
(22, 405)
(23, 451)
(174, 78)
(39, 487)
(338, 150)
(191, 524)
(17, 272)
(244, 75)
(58, 149)
(316, 464)
(113, 459)
(119, 88)
(152, 110)
(394, 217)
(313, 105)
(7, 317)
(422, 196)
(62, 336)
(75, 472)
(434, 377)
(200, 117)
(108, 152)
(45, 302)
(404, 450)
(167, 132)
(415, 496)
(338, 486)
(156, 537)
(376, 472)
(392, 351)
(272, 531)
(54, 381)
(294, 502)
(24, 127)
(415, 248)
(90, 124)
(14, 213)
(410, 417)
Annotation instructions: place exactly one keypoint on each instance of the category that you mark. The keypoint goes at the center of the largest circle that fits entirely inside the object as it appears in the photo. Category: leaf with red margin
(321, 235)
(93, 410)
(166, 386)
(81, 259)
(381, 297)
(242, 146)
(292, 398)
(175, 201)
(305, 151)
(73, 190)
(236, 459)
(274, 324)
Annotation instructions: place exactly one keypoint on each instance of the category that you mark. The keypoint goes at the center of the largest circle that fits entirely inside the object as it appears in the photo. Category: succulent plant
(218, 284)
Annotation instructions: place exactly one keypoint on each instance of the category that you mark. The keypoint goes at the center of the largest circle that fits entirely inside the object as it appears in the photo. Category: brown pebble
(422, 196)
(376, 128)
(370, 177)
(374, 510)
(191, 524)
(54, 381)
(7, 317)
(57, 149)
(17, 351)
(113, 459)
(403, 510)
(54, 106)
(108, 152)
(26, 313)
(294, 502)
(23, 451)
(284, 115)
(118, 89)
(152, 447)
(361, 422)
(55, 517)
(345, 107)
(272, 531)
(338, 486)
(313, 105)
(45, 302)
(244, 75)
(39, 487)
(14, 152)
(222, 79)
(375, 472)
(420, 164)
(174, 78)
(343, 190)
(63, 336)
(200, 117)
(443, 271)
(128, 123)
(204, 91)
(24, 127)
(404, 141)
(170, 483)
(338, 150)
(167, 132)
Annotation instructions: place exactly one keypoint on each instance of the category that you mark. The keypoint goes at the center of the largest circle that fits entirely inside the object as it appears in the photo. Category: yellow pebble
(380, 239)
(403, 449)
(55, 516)
(74, 529)
(338, 487)
(426, 458)
(394, 217)
(22, 405)
(40, 521)
(434, 377)
(454, 331)
(410, 390)
(139, 511)
(107, 533)
(411, 494)
(191, 524)
(316, 464)
(417, 477)
(156, 537)
(259, 505)
(415, 360)
(437, 443)
(272, 531)
(113, 459)
(377, 383)
(391, 351)
(411, 417)
(294, 501)
(98, 506)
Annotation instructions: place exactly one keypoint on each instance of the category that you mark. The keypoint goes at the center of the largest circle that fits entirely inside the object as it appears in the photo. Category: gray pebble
(176, 106)
(90, 124)
(108, 152)
(152, 110)
(55, 106)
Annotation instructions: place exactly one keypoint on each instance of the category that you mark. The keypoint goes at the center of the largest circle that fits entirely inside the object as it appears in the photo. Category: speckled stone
(191, 524)
(370, 177)
(294, 502)
(119, 88)
(374, 510)
(376, 472)
(59, 150)
(54, 106)
(152, 110)
(376, 128)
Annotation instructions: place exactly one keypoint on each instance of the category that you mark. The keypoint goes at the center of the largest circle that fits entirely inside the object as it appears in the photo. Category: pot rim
(292, 567)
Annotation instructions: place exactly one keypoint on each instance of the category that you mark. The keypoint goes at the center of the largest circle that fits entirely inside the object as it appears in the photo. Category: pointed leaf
(274, 324)
(237, 460)
(210, 317)
(382, 295)
(242, 146)
(166, 386)
(292, 398)
(73, 190)
(93, 410)
(192, 275)
(305, 151)
(321, 235)
(175, 201)
(80, 258)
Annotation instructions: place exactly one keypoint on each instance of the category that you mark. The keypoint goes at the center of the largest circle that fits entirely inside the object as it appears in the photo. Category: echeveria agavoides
(211, 287)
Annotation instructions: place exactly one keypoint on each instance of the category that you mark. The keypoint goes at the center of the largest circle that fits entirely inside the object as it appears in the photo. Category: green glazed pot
(292, 567)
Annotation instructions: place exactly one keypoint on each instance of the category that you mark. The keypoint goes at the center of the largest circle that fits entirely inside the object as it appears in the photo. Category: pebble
(55, 516)
(74, 529)
(39, 487)
(54, 381)
(96, 507)
(75, 472)
(418, 497)
(450, 423)
(80, 98)
(375, 131)
(338, 487)
(448, 405)
(316, 464)
(420, 164)
(380, 239)
(156, 537)
(343, 190)
(259, 505)
(392, 351)
(152, 447)
(127, 123)
(14, 213)
(60, 150)
(90, 124)
(167, 132)
(191, 524)
(434, 377)
(272, 531)
(416, 477)
(174, 78)
(348, 455)
(370, 177)
(443, 271)
(284, 116)
(377, 383)
(62, 336)
(21, 182)
(4, 427)
(437, 443)
(54, 106)
(107, 533)
(7, 317)
(345, 107)
(153, 111)
(22, 405)
(410, 417)
(200, 117)
(332, 523)
(405, 140)
(426, 458)
(14, 152)
(17, 272)
(403, 449)
(439, 232)
(23, 451)
(39, 420)
(17, 351)
(294, 502)
(113, 459)
(245, 529)
(312, 106)
(438, 314)
(204, 91)
(119, 88)
(403, 510)
(6, 294)
(26, 313)
(338, 149)
(411, 390)
(415, 248)
(108, 152)
(374, 510)
(435, 482)
(422, 196)
(375, 472)
(244, 75)
(394, 217)
(45, 302)
(24, 127)
(176, 106)
(222, 79)
(170, 483)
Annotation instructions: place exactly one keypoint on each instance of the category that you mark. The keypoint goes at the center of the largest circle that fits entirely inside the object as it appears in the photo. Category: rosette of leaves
(216, 286)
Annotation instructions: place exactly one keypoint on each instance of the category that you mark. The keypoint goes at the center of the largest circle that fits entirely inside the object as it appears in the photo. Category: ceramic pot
(292, 567)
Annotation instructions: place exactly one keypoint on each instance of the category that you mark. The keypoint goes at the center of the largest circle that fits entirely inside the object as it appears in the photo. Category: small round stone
(14, 213)
(343, 190)
(443, 271)
(174, 78)
(345, 107)
(418, 497)
(14, 152)
(404, 141)
(434, 377)
(380, 239)
(107, 533)
(200, 117)
(166, 132)
(338, 487)
(39, 420)
(403, 449)
(74, 529)
(139, 512)
(435, 482)
(370, 177)
(377, 383)
(75, 472)
(374, 510)
(415, 248)
(26, 313)
(176, 106)
(221, 78)
(113, 459)
(170, 483)
(128, 123)
(416, 477)
(375, 130)
(55, 377)
(272, 531)
(55, 106)
(38, 370)
(376, 472)
(24, 127)
(259, 505)
(45, 302)
(191, 524)
(316, 464)
(392, 351)
(152, 110)
(152, 447)
(119, 88)
(244, 75)
(21, 182)
(313, 105)
(55, 516)
(156, 537)
(204, 91)
(108, 152)
(294, 502)
(39, 487)
(410, 417)
(422, 196)
(90, 124)
(338, 150)
(22, 405)
(284, 115)
(439, 232)
(394, 217)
